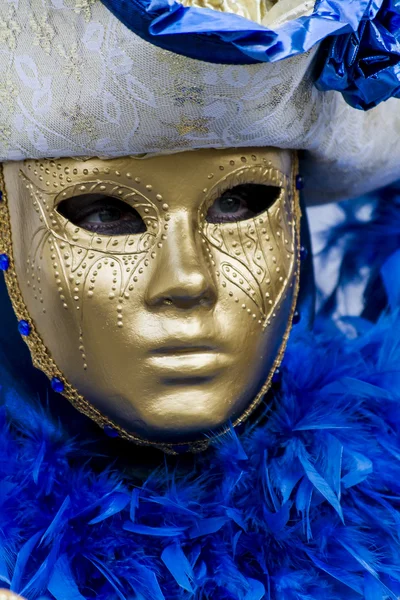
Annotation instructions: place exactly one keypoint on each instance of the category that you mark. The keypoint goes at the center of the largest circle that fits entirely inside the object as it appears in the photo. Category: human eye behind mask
(242, 202)
(110, 216)
(102, 214)
(165, 277)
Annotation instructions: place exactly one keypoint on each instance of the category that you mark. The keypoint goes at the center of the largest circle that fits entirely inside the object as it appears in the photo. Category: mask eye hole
(102, 214)
(242, 202)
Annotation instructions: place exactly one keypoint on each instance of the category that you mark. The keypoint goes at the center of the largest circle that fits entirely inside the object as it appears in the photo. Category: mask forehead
(70, 277)
(183, 178)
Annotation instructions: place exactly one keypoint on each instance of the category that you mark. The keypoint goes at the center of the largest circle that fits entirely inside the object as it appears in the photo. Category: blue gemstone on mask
(299, 182)
(1, 196)
(303, 253)
(57, 385)
(4, 262)
(110, 431)
(277, 377)
(24, 328)
(296, 318)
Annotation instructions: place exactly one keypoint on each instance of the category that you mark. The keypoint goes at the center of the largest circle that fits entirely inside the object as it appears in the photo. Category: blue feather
(287, 473)
(370, 570)
(350, 580)
(57, 522)
(171, 503)
(38, 463)
(114, 504)
(22, 559)
(373, 589)
(115, 584)
(101, 501)
(237, 517)
(150, 584)
(154, 531)
(62, 584)
(178, 565)
(318, 481)
(334, 460)
(134, 503)
(40, 579)
(207, 526)
(303, 503)
(269, 491)
(277, 521)
(4, 573)
(360, 469)
(256, 591)
(235, 542)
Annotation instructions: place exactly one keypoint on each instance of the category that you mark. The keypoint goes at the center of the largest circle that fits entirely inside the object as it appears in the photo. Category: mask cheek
(255, 330)
(51, 280)
(256, 266)
(51, 299)
(39, 270)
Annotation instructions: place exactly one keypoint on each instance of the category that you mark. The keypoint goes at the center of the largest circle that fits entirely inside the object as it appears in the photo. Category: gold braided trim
(43, 360)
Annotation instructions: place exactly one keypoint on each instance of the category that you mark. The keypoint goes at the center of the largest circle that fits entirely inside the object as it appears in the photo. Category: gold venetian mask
(156, 293)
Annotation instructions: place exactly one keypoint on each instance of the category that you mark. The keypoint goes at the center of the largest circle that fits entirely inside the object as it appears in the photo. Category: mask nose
(181, 277)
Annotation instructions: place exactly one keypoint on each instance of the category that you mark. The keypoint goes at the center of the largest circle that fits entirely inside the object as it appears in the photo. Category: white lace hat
(74, 80)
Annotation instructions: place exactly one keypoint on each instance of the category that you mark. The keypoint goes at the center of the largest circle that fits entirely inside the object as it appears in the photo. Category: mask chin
(158, 327)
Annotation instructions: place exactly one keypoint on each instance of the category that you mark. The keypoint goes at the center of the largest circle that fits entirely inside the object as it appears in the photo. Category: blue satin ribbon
(361, 59)
(221, 37)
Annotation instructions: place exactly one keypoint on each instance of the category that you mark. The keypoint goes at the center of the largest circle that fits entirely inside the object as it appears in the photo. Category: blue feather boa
(302, 505)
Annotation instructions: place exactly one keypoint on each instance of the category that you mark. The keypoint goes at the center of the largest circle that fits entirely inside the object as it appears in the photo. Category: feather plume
(305, 505)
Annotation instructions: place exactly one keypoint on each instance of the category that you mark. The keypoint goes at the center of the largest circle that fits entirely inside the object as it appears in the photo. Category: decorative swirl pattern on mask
(78, 255)
(252, 246)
